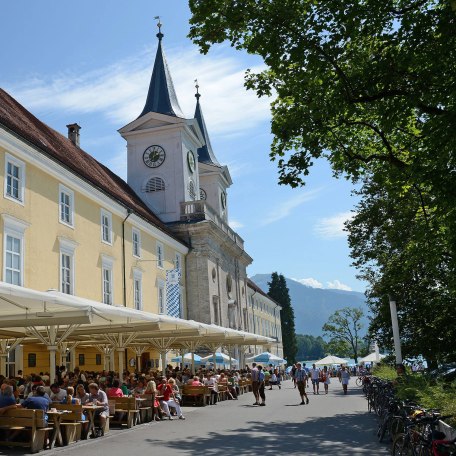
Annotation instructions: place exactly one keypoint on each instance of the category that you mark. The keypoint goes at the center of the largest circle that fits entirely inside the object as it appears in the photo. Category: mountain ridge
(305, 300)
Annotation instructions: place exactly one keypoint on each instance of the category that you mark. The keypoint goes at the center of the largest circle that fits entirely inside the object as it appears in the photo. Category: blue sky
(90, 62)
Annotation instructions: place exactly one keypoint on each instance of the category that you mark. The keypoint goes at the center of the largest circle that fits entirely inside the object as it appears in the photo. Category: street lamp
(395, 325)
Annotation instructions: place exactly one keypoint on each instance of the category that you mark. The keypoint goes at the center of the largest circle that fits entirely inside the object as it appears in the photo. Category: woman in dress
(344, 378)
(325, 378)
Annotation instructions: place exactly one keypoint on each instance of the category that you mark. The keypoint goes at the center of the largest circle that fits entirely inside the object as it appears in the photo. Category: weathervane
(159, 25)
(197, 94)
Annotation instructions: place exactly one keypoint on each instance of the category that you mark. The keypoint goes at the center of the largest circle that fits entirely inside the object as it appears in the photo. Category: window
(98, 359)
(191, 190)
(67, 248)
(107, 286)
(137, 289)
(81, 359)
(66, 273)
(155, 184)
(66, 206)
(14, 179)
(160, 255)
(31, 360)
(136, 241)
(161, 298)
(13, 248)
(106, 227)
(178, 261)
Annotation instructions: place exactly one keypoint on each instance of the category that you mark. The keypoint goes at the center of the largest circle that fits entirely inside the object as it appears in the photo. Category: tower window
(155, 184)
(191, 190)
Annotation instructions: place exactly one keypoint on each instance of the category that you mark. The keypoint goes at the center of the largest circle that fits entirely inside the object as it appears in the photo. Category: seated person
(115, 390)
(165, 392)
(7, 399)
(57, 394)
(195, 381)
(38, 400)
(98, 397)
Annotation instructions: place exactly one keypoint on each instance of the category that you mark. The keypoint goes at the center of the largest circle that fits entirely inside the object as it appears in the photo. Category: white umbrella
(220, 358)
(372, 358)
(330, 359)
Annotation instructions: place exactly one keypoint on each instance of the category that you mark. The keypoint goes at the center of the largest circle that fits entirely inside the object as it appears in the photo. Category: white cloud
(337, 285)
(235, 225)
(333, 227)
(310, 282)
(286, 208)
(119, 91)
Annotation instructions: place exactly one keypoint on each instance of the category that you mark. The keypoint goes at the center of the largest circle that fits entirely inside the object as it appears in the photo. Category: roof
(256, 288)
(161, 97)
(15, 118)
(205, 153)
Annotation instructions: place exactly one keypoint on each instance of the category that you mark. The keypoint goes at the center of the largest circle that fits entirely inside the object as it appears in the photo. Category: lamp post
(395, 325)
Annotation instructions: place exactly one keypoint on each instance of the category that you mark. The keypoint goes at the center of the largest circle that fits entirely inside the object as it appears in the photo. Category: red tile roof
(21, 122)
(251, 284)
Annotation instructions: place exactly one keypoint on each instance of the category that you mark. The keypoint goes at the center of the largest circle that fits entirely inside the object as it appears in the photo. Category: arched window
(154, 184)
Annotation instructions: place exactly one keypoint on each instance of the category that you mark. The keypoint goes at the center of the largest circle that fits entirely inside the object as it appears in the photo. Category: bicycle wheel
(359, 381)
(396, 426)
(401, 446)
(382, 430)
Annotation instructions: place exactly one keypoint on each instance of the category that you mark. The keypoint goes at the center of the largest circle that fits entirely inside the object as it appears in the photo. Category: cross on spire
(197, 94)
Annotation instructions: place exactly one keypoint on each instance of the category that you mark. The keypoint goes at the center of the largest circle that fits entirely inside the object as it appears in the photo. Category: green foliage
(418, 388)
(278, 291)
(343, 327)
(310, 347)
(371, 87)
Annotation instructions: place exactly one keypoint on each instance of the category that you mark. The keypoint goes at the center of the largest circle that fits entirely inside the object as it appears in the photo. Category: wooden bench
(146, 409)
(197, 394)
(72, 423)
(29, 425)
(126, 411)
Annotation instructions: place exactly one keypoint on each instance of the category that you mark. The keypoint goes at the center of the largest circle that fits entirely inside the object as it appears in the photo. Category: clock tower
(162, 147)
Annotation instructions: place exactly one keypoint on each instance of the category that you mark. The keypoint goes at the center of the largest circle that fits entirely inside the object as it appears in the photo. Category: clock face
(154, 156)
(223, 199)
(191, 161)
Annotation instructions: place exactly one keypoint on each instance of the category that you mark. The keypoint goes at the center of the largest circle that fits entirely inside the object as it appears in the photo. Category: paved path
(331, 424)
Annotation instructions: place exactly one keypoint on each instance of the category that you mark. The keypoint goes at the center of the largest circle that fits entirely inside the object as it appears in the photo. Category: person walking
(315, 377)
(293, 373)
(254, 373)
(261, 385)
(344, 378)
(325, 378)
(300, 379)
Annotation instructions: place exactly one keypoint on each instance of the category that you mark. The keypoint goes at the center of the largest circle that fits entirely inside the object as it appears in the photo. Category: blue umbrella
(266, 357)
(187, 359)
(220, 358)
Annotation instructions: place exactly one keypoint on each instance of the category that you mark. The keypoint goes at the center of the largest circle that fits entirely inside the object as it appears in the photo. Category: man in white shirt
(211, 382)
(315, 377)
(57, 394)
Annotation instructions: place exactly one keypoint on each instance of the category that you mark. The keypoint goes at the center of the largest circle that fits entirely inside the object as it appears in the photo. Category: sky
(90, 62)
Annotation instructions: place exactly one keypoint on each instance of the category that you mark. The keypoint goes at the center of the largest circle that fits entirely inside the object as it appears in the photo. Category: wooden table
(139, 403)
(56, 417)
(90, 413)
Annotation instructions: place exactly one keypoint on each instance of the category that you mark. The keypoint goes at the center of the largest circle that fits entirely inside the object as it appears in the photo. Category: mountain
(313, 306)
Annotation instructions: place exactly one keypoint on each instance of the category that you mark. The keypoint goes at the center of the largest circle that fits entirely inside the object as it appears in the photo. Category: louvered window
(155, 184)
(191, 190)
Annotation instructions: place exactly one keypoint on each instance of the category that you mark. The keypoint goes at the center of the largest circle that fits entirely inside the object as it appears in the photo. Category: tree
(370, 86)
(278, 291)
(310, 347)
(344, 325)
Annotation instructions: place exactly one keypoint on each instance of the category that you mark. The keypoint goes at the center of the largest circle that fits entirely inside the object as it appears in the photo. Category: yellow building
(68, 223)
(263, 316)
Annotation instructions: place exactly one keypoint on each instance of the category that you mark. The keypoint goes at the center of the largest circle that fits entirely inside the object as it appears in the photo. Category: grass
(428, 394)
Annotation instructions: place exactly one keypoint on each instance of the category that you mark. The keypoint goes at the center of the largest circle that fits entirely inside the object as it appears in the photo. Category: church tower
(162, 147)
(173, 168)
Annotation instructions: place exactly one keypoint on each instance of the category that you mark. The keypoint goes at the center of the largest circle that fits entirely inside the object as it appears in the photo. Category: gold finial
(159, 25)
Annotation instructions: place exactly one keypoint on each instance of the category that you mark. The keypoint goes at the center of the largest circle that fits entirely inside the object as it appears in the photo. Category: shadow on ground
(338, 434)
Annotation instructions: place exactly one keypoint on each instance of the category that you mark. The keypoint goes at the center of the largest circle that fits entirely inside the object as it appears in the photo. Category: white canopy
(372, 358)
(329, 360)
(29, 315)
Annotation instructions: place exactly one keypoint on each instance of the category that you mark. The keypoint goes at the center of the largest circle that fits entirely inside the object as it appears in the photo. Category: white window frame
(66, 191)
(107, 277)
(67, 247)
(137, 290)
(15, 228)
(104, 213)
(178, 261)
(21, 187)
(136, 245)
(161, 297)
(160, 255)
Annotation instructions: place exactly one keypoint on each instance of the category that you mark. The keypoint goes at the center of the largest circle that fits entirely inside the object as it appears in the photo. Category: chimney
(73, 133)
